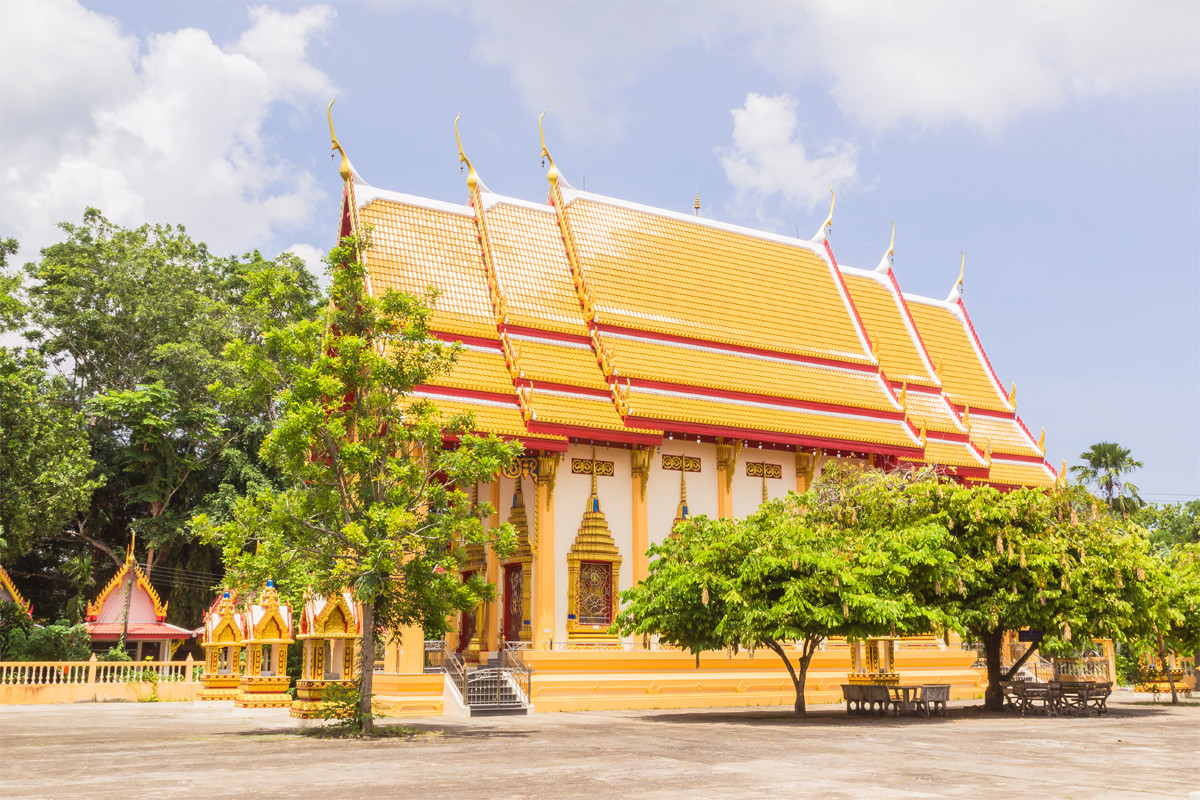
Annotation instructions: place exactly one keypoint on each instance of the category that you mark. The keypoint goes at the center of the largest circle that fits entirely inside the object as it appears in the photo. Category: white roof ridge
(570, 195)
(492, 199)
(365, 193)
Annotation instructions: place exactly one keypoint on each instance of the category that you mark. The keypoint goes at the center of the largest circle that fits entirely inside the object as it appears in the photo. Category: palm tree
(1106, 463)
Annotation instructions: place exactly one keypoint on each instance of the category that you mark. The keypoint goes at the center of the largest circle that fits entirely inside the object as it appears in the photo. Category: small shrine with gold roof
(267, 631)
(638, 353)
(223, 645)
(329, 628)
(129, 605)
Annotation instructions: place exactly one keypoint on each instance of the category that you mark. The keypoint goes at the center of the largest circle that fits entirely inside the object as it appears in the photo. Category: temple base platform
(219, 687)
(263, 692)
(310, 700)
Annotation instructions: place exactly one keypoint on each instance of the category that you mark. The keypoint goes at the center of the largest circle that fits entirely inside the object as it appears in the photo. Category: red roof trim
(808, 405)
(454, 392)
(670, 338)
(594, 434)
(529, 442)
(770, 436)
(562, 387)
(552, 336)
(473, 341)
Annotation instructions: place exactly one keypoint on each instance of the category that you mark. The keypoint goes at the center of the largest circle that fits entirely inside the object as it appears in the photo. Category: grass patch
(381, 732)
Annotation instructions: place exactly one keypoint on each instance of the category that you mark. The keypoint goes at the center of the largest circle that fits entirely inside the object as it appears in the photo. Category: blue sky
(1057, 144)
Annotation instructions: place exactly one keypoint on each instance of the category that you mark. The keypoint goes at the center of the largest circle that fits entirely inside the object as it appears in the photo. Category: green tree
(372, 497)
(1105, 466)
(46, 472)
(1171, 524)
(136, 322)
(798, 570)
(61, 641)
(12, 307)
(1166, 605)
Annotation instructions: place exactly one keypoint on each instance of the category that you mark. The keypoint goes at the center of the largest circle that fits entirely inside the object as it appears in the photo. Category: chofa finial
(886, 262)
(956, 291)
(344, 168)
(827, 225)
(472, 175)
(552, 173)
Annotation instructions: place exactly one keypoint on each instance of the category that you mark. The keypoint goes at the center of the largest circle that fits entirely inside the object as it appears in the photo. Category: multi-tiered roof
(594, 319)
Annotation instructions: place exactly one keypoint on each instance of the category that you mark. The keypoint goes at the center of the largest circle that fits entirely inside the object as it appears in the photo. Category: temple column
(491, 625)
(727, 453)
(640, 469)
(806, 465)
(405, 652)
(543, 551)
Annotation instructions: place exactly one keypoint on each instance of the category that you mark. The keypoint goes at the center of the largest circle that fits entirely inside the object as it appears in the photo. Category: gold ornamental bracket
(956, 290)
(885, 263)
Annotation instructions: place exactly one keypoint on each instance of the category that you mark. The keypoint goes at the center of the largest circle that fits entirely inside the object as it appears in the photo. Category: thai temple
(646, 362)
(9, 593)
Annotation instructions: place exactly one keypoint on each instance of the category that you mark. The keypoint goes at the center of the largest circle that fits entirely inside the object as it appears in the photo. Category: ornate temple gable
(711, 281)
(333, 617)
(902, 354)
(967, 375)
(268, 621)
(8, 591)
(222, 623)
(144, 606)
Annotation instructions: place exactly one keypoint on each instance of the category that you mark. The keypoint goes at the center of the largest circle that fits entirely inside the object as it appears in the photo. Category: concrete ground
(208, 750)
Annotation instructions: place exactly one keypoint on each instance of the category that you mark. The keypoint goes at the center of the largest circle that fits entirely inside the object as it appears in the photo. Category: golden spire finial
(344, 168)
(593, 472)
(967, 417)
(1012, 395)
(683, 486)
(987, 452)
(552, 174)
(1062, 474)
(962, 266)
(892, 244)
(472, 176)
(132, 539)
(875, 345)
(904, 396)
(697, 204)
(1042, 442)
(924, 440)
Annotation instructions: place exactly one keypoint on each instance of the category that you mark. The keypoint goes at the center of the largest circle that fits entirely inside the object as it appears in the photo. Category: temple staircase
(499, 687)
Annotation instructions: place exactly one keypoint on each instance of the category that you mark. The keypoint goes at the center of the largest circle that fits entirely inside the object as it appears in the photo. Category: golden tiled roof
(531, 266)
(848, 428)
(951, 454)
(659, 273)
(554, 362)
(562, 408)
(414, 248)
(479, 369)
(1011, 473)
(489, 418)
(710, 369)
(1004, 436)
(931, 410)
(883, 315)
(965, 376)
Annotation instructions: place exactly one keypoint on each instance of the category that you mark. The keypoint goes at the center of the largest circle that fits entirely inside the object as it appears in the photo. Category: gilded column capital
(640, 461)
(548, 469)
(805, 464)
(727, 453)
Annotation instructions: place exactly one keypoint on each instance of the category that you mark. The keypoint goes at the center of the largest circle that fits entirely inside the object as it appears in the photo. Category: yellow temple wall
(409, 695)
(747, 489)
(590, 680)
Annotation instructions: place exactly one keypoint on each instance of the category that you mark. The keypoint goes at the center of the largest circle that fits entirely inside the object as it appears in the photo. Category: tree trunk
(993, 698)
(1008, 676)
(125, 612)
(366, 669)
(797, 680)
(1162, 659)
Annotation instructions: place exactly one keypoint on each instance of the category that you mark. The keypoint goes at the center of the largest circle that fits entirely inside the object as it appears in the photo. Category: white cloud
(887, 63)
(313, 258)
(170, 129)
(935, 62)
(768, 159)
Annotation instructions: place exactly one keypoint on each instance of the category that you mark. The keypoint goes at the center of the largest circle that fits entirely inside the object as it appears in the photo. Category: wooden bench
(878, 698)
(1047, 696)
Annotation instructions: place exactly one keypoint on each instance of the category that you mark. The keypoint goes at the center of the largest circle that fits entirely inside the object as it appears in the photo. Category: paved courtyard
(208, 750)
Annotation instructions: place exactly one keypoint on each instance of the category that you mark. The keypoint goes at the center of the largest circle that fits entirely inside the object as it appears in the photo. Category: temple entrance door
(514, 611)
(466, 630)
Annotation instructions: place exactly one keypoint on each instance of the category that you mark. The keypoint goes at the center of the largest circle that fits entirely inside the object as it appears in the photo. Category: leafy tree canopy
(372, 498)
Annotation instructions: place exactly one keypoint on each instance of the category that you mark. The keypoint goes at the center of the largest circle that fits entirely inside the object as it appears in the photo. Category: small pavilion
(328, 628)
(223, 642)
(267, 631)
(147, 633)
